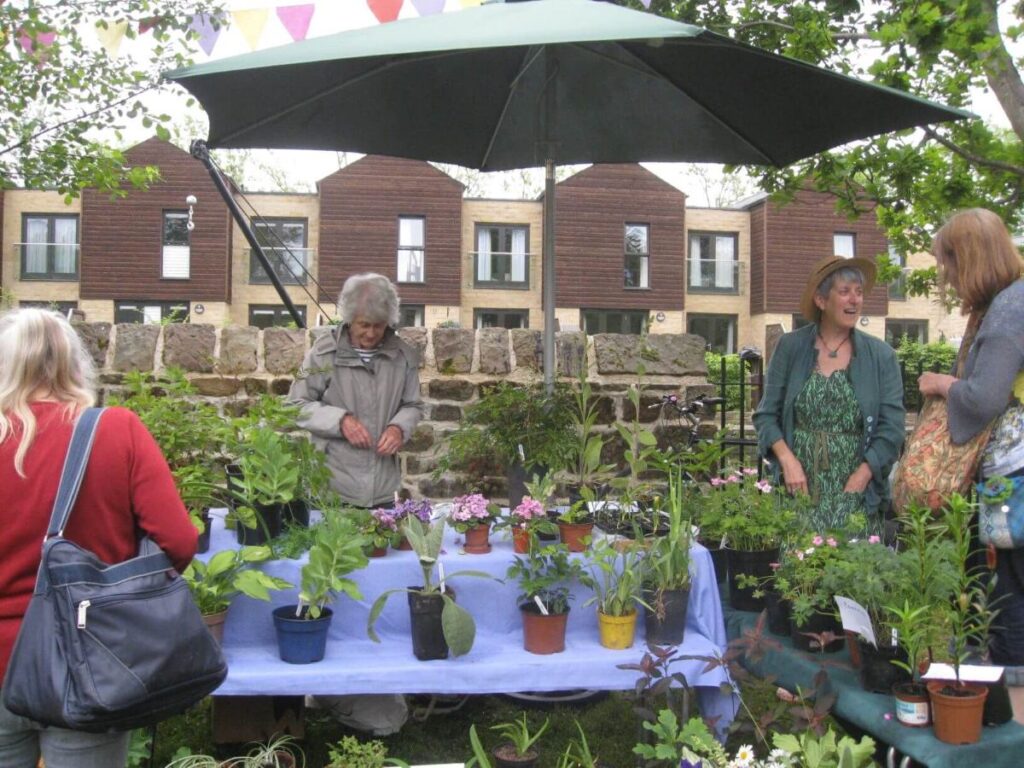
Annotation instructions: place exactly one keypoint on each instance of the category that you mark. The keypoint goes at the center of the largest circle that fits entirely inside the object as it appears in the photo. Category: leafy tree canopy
(938, 49)
(66, 100)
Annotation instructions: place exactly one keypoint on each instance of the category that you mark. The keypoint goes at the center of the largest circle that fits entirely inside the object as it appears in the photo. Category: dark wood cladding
(122, 239)
(757, 259)
(591, 211)
(359, 210)
(796, 235)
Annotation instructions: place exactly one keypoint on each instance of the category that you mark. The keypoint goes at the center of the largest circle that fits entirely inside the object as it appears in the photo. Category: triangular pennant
(147, 24)
(251, 23)
(202, 24)
(646, 4)
(32, 43)
(385, 10)
(111, 35)
(428, 7)
(470, 3)
(296, 18)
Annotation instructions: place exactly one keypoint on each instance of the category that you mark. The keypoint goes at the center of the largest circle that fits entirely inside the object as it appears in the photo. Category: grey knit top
(993, 362)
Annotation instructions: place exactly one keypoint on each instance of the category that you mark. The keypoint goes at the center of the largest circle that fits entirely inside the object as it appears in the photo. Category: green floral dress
(826, 440)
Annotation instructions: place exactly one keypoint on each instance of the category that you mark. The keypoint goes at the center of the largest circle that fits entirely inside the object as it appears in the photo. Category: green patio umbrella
(515, 85)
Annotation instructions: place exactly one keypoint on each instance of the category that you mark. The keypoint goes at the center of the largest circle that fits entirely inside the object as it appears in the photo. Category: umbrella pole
(201, 153)
(548, 285)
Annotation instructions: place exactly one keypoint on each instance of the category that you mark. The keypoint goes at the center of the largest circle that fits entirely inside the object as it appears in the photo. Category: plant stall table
(1000, 746)
(497, 663)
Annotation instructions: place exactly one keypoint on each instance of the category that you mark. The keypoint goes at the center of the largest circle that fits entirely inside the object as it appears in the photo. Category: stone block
(450, 389)
(96, 338)
(283, 349)
(604, 409)
(415, 337)
(216, 386)
(189, 346)
(527, 345)
(650, 409)
(420, 464)
(422, 439)
(453, 349)
(570, 353)
(445, 412)
(135, 346)
(494, 355)
(254, 387)
(238, 347)
(280, 386)
(667, 354)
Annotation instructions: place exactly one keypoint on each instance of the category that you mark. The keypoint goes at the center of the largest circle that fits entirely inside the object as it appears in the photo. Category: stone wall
(230, 365)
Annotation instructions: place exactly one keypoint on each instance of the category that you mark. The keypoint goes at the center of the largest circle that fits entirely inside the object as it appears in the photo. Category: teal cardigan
(877, 384)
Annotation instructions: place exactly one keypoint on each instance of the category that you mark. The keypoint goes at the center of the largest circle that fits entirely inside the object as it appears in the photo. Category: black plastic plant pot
(233, 477)
(753, 563)
(297, 513)
(878, 674)
(425, 617)
(300, 640)
(665, 621)
(720, 560)
(267, 527)
(807, 636)
(203, 542)
(778, 613)
(506, 757)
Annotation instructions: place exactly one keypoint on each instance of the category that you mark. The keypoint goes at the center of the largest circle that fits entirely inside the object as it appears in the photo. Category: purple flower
(386, 519)
(471, 508)
(421, 509)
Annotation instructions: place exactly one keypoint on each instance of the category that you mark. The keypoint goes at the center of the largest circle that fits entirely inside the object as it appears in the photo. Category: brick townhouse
(629, 251)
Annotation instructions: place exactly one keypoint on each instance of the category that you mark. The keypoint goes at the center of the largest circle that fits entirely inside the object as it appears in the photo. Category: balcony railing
(47, 261)
(713, 276)
(290, 264)
(501, 269)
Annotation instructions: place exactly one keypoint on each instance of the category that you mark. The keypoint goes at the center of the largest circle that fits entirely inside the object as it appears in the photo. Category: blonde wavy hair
(41, 356)
(976, 250)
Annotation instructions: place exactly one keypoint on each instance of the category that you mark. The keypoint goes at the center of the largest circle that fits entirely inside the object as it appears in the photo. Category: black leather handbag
(107, 647)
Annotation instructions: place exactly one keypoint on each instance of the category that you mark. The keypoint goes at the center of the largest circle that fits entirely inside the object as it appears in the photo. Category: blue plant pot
(301, 641)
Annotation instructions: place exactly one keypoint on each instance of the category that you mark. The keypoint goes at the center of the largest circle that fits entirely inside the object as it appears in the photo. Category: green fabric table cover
(1000, 746)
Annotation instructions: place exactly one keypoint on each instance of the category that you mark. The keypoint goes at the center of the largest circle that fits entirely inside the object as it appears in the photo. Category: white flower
(745, 756)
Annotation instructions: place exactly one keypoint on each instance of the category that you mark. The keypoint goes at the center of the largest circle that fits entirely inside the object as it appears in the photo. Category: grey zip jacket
(333, 382)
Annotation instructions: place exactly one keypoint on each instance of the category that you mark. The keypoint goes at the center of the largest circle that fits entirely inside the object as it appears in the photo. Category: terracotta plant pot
(543, 634)
(617, 632)
(477, 540)
(520, 541)
(957, 710)
(404, 545)
(912, 706)
(377, 552)
(573, 535)
(215, 623)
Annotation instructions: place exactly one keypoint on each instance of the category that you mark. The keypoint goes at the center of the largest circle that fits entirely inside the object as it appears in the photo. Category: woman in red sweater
(46, 379)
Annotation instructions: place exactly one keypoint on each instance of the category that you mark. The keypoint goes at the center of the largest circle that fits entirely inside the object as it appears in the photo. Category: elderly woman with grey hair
(831, 421)
(359, 391)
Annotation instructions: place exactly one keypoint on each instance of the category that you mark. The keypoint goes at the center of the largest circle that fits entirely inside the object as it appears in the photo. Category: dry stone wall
(231, 365)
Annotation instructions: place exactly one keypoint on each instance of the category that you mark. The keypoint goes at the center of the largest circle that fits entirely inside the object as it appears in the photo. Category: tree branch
(956, 149)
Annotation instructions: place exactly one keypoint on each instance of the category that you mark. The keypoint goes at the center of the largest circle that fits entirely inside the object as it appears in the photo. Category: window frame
(181, 252)
(893, 340)
(732, 332)
(280, 313)
(502, 312)
(508, 285)
(634, 313)
(257, 275)
(410, 248)
(702, 260)
(419, 309)
(644, 265)
(897, 289)
(50, 275)
(167, 308)
(853, 243)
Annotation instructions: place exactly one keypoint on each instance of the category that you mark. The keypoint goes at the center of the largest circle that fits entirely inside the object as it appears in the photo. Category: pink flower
(469, 508)
(733, 478)
(763, 486)
(874, 539)
(799, 555)
(817, 541)
(749, 472)
(528, 509)
(717, 481)
(832, 542)
(887, 715)
(775, 566)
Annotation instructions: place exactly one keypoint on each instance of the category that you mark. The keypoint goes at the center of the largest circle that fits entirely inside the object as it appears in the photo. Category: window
(176, 251)
(501, 318)
(411, 268)
(719, 331)
(844, 244)
(898, 287)
(61, 307)
(411, 316)
(613, 321)
(501, 260)
(49, 247)
(150, 311)
(896, 329)
(271, 315)
(712, 265)
(638, 254)
(284, 245)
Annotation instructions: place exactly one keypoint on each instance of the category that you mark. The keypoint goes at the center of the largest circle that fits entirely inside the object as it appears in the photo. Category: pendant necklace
(832, 352)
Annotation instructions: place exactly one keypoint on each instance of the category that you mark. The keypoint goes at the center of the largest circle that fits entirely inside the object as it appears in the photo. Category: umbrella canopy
(512, 85)
(516, 85)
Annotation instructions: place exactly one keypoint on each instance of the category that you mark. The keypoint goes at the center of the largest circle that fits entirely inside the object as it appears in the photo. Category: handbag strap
(74, 470)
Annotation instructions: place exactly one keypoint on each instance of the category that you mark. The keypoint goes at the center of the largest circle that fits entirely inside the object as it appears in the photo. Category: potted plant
(754, 520)
(337, 550)
(405, 509)
(516, 751)
(799, 580)
(279, 752)
(526, 520)
(268, 481)
(350, 752)
(616, 578)
(472, 515)
(585, 467)
(544, 576)
(228, 573)
(576, 523)
(439, 624)
(378, 527)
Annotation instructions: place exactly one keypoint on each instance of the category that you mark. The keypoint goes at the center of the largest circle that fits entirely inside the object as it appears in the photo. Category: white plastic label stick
(540, 604)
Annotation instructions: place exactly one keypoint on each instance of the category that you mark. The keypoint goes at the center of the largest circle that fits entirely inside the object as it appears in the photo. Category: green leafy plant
(282, 751)
(350, 752)
(457, 623)
(666, 565)
(615, 577)
(585, 467)
(517, 734)
(827, 751)
(337, 550)
(800, 575)
(752, 514)
(545, 574)
(577, 752)
(228, 573)
(692, 741)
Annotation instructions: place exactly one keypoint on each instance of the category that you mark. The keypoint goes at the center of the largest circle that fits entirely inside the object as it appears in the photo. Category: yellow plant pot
(617, 632)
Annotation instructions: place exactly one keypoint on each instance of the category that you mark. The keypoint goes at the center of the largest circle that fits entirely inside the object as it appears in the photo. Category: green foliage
(915, 356)
(586, 467)
(350, 752)
(751, 514)
(228, 573)
(827, 751)
(57, 98)
(545, 573)
(337, 550)
(733, 372)
(666, 564)
(615, 578)
(672, 742)
(518, 734)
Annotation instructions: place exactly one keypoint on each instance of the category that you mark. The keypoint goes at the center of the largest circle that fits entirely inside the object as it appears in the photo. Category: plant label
(856, 619)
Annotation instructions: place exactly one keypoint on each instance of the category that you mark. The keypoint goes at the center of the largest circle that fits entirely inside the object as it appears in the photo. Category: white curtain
(725, 262)
(65, 235)
(36, 233)
(410, 250)
(696, 262)
(483, 255)
(518, 255)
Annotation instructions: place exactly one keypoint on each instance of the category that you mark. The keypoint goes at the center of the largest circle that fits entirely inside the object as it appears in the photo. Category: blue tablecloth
(497, 663)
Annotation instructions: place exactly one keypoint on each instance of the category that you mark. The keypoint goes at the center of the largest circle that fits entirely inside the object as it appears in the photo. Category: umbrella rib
(644, 68)
(328, 91)
(528, 60)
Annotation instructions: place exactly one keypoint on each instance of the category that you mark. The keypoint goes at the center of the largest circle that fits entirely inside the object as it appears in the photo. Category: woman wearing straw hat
(832, 420)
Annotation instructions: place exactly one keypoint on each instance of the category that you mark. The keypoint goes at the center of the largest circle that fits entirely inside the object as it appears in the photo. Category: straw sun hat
(825, 267)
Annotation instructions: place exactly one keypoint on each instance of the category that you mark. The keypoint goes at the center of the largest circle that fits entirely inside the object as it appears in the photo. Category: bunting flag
(385, 10)
(296, 18)
(111, 35)
(208, 33)
(428, 7)
(251, 23)
(646, 4)
(470, 3)
(147, 24)
(32, 43)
